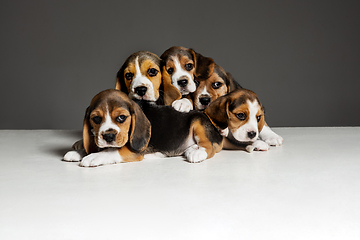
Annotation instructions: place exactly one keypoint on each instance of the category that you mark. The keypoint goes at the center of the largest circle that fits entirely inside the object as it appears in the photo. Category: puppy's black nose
(109, 137)
(140, 91)
(251, 134)
(183, 82)
(205, 101)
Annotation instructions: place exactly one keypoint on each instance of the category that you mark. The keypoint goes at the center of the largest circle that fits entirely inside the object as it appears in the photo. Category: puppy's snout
(205, 100)
(140, 91)
(251, 134)
(183, 82)
(109, 137)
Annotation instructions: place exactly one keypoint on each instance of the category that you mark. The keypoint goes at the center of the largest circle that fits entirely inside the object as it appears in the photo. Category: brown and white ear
(204, 66)
(171, 93)
(217, 112)
(231, 83)
(140, 131)
(88, 138)
(120, 81)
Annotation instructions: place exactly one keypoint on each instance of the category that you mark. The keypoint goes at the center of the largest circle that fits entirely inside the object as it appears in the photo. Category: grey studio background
(301, 57)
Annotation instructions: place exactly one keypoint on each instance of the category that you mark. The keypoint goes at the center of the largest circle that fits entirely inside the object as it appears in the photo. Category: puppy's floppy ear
(140, 131)
(231, 83)
(88, 137)
(171, 93)
(217, 111)
(120, 81)
(204, 66)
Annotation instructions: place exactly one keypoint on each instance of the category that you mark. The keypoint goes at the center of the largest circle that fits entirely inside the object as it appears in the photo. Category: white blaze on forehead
(141, 81)
(106, 125)
(203, 93)
(180, 73)
(251, 125)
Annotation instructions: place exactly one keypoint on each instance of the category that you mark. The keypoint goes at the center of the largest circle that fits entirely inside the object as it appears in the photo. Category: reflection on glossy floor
(309, 188)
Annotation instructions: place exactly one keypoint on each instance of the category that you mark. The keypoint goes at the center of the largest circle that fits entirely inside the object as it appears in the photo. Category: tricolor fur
(141, 78)
(114, 130)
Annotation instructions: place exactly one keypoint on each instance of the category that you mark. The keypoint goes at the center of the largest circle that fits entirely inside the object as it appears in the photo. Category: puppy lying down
(116, 129)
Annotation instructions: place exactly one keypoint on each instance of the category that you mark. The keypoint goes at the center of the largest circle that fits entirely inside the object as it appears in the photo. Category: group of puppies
(150, 112)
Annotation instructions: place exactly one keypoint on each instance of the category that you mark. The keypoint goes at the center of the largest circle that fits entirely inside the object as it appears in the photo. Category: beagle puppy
(115, 130)
(208, 89)
(141, 78)
(233, 121)
(217, 84)
(183, 65)
(240, 118)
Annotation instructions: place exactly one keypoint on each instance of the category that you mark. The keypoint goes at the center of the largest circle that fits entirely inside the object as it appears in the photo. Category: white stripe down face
(110, 125)
(181, 70)
(246, 121)
(143, 78)
(208, 90)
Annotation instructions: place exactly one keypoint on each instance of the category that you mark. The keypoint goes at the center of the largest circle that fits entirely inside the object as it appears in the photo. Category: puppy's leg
(110, 156)
(271, 138)
(203, 149)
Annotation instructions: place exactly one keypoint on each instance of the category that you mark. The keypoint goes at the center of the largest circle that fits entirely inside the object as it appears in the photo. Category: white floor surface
(309, 188)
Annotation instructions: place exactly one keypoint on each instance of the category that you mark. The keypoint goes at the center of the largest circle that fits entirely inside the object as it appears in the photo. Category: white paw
(274, 140)
(182, 105)
(271, 138)
(260, 145)
(250, 148)
(101, 158)
(224, 132)
(74, 156)
(156, 155)
(195, 154)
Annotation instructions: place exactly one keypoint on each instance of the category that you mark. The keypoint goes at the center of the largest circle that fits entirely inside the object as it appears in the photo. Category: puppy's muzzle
(183, 82)
(141, 91)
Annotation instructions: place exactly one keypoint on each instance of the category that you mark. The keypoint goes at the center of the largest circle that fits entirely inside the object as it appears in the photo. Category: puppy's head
(241, 112)
(140, 76)
(183, 64)
(217, 84)
(113, 120)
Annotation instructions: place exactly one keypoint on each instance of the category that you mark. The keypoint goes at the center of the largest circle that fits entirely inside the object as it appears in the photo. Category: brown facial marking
(211, 88)
(117, 116)
(130, 70)
(148, 68)
(261, 123)
(234, 121)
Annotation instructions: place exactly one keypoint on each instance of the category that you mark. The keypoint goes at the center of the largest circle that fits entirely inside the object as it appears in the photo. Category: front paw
(182, 105)
(74, 156)
(260, 145)
(270, 137)
(274, 140)
(101, 158)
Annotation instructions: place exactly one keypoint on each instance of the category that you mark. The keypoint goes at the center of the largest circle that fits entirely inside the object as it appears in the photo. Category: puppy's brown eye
(129, 76)
(170, 70)
(216, 85)
(152, 72)
(97, 119)
(197, 83)
(121, 118)
(241, 116)
(258, 118)
(189, 66)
